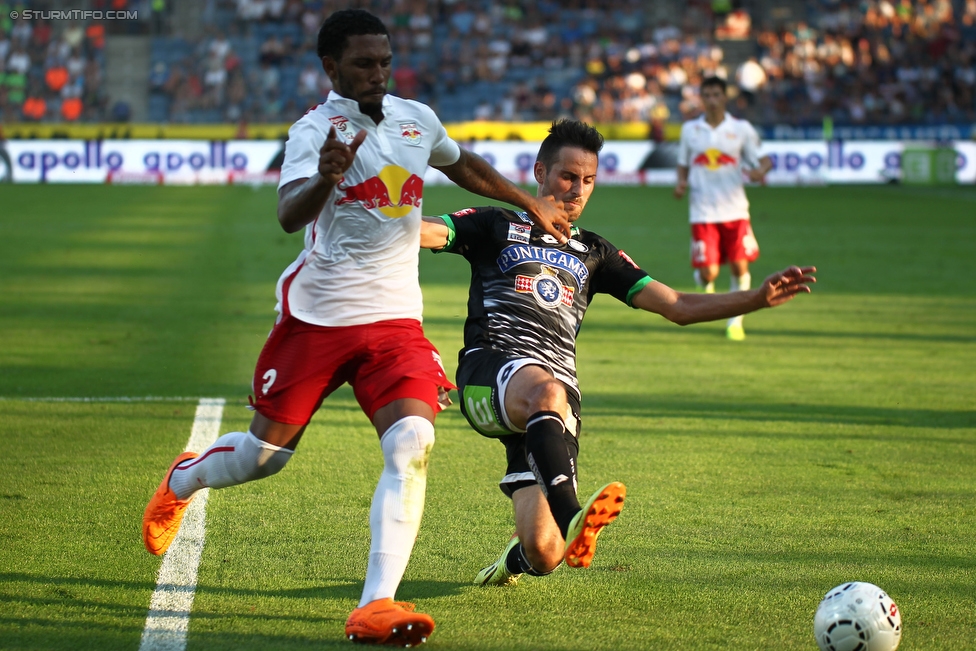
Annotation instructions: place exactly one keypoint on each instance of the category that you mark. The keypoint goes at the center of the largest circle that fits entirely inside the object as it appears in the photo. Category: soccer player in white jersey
(715, 148)
(350, 309)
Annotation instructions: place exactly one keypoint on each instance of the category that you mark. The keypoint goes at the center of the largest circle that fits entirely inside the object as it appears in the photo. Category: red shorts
(302, 363)
(714, 244)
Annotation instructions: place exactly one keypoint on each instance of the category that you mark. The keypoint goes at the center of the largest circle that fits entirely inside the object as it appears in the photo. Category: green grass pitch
(838, 442)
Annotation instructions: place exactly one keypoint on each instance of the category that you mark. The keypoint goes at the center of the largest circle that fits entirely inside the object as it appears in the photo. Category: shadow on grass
(717, 333)
(70, 622)
(344, 588)
(623, 405)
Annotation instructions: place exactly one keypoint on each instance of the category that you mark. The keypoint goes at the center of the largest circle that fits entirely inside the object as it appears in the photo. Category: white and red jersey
(715, 157)
(359, 264)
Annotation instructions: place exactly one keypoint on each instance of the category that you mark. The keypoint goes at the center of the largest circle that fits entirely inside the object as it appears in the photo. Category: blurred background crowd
(791, 62)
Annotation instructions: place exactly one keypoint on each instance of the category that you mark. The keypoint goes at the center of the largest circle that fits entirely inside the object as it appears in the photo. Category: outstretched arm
(474, 174)
(684, 309)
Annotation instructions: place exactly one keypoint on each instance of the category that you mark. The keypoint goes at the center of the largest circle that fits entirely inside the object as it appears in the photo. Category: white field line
(169, 608)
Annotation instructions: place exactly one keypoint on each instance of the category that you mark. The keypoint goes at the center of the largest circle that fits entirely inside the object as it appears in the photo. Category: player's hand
(336, 156)
(680, 189)
(784, 285)
(756, 175)
(549, 215)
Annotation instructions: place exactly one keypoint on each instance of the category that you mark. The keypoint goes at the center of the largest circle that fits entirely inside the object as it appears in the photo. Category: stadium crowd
(878, 62)
(874, 61)
(51, 72)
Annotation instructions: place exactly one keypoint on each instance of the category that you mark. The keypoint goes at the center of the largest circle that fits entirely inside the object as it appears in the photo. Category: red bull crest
(714, 159)
(394, 192)
(410, 132)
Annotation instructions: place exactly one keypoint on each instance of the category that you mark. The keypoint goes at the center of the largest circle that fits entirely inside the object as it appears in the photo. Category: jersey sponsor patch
(463, 212)
(576, 245)
(521, 214)
(519, 233)
(546, 289)
(411, 133)
(518, 254)
(340, 122)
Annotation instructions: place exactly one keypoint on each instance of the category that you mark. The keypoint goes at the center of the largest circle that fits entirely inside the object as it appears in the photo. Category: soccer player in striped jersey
(517, 370)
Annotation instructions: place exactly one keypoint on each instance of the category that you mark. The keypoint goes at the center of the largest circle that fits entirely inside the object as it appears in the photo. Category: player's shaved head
(337, 28)
(568, 133)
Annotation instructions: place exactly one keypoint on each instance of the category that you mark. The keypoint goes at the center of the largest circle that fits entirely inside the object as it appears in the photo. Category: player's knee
(407, 445)
(549, 396)
(266, 459)
(544, 555)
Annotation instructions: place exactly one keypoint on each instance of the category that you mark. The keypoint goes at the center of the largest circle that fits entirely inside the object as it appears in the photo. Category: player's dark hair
(714, 81)
(568, 133)
(337, 28)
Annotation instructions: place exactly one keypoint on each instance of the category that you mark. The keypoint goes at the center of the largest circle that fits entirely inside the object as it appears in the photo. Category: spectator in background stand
(74, 35)
(34, 107)
(19, 61)
(405, 81)
(751, 78)
(736, 27)
(309, 83)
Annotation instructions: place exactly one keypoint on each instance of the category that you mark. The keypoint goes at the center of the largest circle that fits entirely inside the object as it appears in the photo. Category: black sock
(545, 448)
(517, 563)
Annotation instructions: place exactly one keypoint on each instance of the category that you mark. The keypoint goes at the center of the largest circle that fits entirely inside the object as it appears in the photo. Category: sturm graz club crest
(545, 289)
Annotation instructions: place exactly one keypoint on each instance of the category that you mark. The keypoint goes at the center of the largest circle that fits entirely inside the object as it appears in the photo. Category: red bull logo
(410, 132)
(378, 192)
(713, 159)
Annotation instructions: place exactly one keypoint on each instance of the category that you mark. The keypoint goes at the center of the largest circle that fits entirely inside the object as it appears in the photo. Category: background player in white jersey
(714, 150)
(517, 371)
(350, 309)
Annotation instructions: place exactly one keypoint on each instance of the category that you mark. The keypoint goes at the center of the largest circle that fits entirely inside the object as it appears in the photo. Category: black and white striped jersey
(528, 292)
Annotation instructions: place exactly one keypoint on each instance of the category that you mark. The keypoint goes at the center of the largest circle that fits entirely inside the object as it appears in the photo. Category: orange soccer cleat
(599, 511)
(164, 513)
(393, 623)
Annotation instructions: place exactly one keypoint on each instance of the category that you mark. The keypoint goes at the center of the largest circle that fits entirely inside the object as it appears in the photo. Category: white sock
(738, 284)
(233, 459)
(398, 505)
(708, 287)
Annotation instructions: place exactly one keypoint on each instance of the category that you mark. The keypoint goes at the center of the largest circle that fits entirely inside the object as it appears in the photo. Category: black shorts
(482, 379)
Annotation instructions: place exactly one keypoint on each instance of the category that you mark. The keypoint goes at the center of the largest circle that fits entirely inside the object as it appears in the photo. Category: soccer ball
(857, 617)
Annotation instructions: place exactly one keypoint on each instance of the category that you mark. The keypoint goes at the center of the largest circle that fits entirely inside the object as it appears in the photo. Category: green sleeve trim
(451, 234)
(639, 285)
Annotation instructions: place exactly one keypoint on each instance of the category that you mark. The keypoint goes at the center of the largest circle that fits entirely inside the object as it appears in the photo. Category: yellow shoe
(599, 511)
(497, 573)
(393, 623)
(164, 513)
(735, 333)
